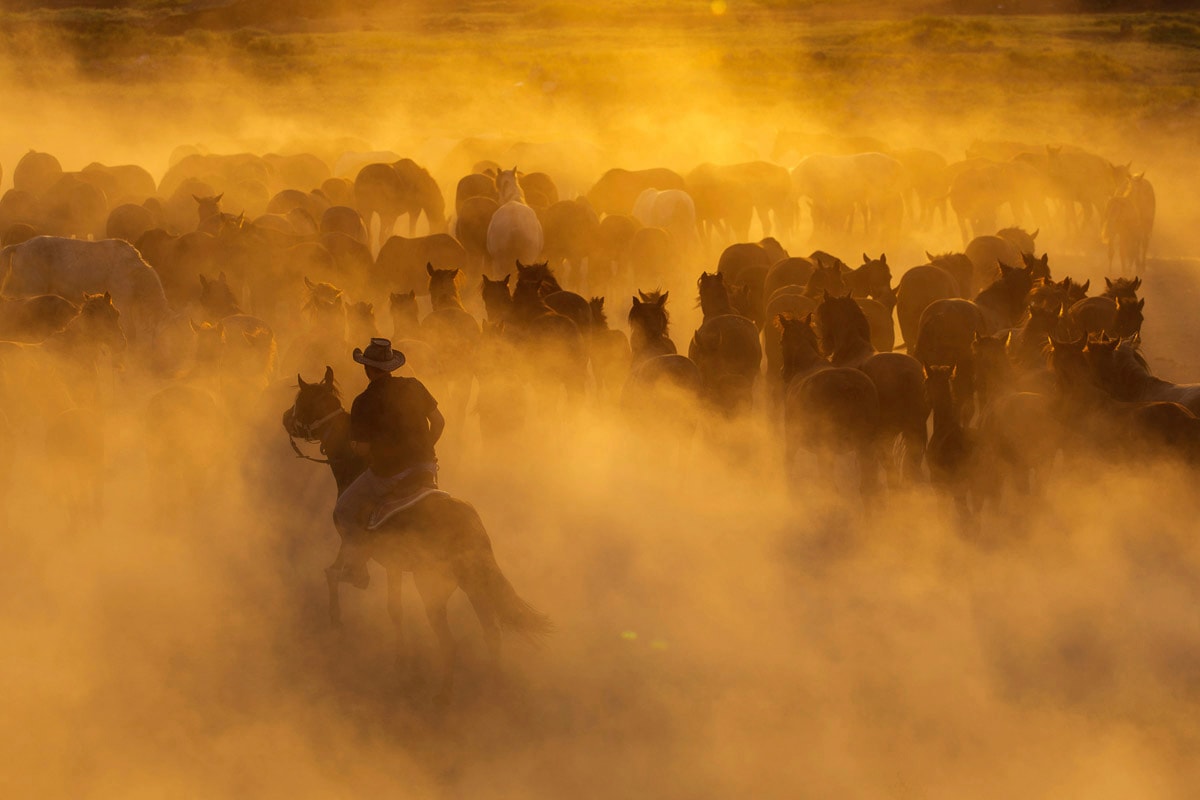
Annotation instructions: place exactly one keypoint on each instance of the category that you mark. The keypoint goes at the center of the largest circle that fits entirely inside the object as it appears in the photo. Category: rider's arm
(437, 424)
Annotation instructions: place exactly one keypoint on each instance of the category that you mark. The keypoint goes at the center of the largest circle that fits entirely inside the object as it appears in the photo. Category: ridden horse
(438, 538)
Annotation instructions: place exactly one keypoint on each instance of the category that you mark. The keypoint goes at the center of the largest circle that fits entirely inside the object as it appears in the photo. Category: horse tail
(512, 612)
(481, 579)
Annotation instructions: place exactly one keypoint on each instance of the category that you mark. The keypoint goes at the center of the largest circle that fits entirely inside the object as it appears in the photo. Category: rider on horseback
(394, 425)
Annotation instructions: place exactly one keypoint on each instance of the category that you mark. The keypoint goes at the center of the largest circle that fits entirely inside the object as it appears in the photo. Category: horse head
(217, 298)
(315, 405)
(100, 321)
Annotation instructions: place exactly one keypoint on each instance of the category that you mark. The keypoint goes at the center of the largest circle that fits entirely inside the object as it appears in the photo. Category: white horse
(515, 233)
(673, 210)
(71, 268)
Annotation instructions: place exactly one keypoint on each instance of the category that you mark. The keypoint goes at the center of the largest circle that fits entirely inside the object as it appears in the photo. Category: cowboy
(394, 425)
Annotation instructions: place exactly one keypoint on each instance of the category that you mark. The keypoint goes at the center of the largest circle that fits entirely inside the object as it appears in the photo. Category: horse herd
(210, 310)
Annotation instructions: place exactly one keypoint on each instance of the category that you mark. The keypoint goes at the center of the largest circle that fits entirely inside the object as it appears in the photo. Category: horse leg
(396, 614)
(436, 588)
(335, 603)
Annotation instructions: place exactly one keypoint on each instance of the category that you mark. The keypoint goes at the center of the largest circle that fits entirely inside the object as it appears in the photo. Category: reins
(310, 433)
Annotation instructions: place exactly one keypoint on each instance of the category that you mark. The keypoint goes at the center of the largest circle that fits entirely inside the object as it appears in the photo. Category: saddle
(393, 507)
(414, 485)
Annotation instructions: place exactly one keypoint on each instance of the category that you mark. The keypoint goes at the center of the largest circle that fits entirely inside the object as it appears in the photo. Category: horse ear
(300, 381)
(808, 319)
(328, 379)
(662, 300)
(203, 281)
(505, 281)
(954, 372)
(636, 301)
(197, 199)
(866, 259)
(1086, 285)
(929, 255)
(1137, 283)
(429, 268)
(883, 259)
(1141, 303)
(309, 283)
(1045, 259)
(217, 199)
(108, 298)
(1108, 283)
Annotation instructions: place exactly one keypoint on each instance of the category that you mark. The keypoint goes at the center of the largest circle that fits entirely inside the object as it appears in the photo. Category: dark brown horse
(873, 279)
(1003, 301)
(32, 319)
(439, 539)
(828, 412)
(952, 454)
(844, 331)
(944, 337)
(648, 326)
(453, 334)
(610, 354)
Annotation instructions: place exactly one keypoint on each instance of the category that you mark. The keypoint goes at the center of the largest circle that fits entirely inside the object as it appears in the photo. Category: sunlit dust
(750, 589)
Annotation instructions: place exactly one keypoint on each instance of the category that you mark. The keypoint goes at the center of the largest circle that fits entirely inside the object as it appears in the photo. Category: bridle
(311, 432)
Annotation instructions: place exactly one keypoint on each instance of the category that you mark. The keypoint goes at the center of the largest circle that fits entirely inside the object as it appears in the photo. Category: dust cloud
(718, 632)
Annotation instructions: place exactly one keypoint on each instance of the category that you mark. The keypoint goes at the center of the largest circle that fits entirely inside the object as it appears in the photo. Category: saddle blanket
(392, 507)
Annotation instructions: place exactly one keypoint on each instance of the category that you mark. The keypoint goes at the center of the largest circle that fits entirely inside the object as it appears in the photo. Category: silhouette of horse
(831, 411)
(844, 331)
(952, 454)
(959, 266)
(33, 319)
(873, 279)
(551, 342)
(440, 539)
(919, 287)
(1003, 301)
(1152, 417)
(648, 326)
(1128, 223)
(402, 187)
(454, 336)
(944, 337)
(1119, 317)
(610, 353)
(1121, 287)
(43, 378)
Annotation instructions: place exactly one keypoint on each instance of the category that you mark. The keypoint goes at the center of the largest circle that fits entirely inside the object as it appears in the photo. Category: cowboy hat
(379, 354)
